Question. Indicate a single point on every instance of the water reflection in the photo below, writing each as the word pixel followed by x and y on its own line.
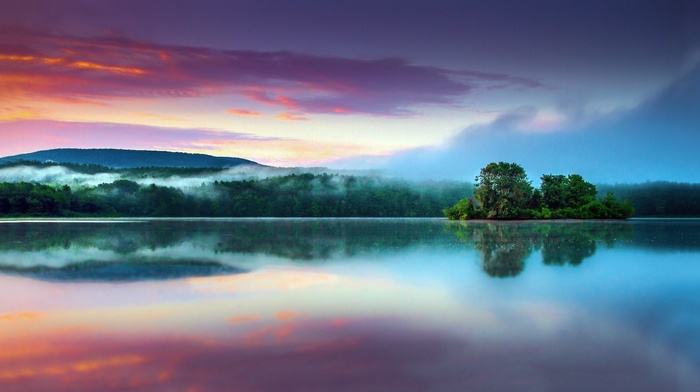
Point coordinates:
pixel 167 249
pixel 505 246
pixel 331 355
pixel 349 305
pixel 129 251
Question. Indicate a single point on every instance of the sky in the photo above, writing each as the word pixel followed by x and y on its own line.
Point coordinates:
pixel 419 89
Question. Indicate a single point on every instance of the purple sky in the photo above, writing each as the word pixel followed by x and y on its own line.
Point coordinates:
pixel 418 88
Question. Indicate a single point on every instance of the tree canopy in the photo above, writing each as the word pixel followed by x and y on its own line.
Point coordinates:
pixel 502 189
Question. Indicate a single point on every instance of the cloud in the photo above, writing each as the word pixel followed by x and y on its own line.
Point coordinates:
pixel 243 112
pixel 290 117
pixel 657 140
pixel 96 69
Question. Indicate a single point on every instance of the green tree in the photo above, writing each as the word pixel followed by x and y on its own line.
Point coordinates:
pixel 553 188
pixel 578 191
pixel 463 210
pixel 503 190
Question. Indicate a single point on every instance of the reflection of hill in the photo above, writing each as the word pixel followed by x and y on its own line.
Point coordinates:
pixel 506 245
pixel 123 271
pixel 169 249
pixel 296 239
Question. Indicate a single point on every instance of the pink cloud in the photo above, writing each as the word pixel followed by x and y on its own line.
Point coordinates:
pixel 102 68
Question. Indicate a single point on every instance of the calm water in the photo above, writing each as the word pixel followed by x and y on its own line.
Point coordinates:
pixel 349 305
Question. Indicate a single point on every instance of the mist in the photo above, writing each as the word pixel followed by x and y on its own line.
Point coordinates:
pixel 54 175
pixel 657 140
pixel 61 175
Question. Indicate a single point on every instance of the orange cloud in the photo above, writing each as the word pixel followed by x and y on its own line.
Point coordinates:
pixel 244 112
pixel 286 315
pixel 20 113
pixel 64 62
pixel 11 57
pixel 110 68
pixel 20 316
pixel 290 117
pixel 243 319
pixel 75 367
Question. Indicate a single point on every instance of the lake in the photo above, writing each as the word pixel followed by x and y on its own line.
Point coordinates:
pixel 349 305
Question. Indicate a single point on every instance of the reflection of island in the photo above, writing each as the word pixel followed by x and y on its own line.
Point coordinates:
pixel 505 246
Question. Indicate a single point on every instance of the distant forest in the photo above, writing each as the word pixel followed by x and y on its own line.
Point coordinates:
pixel 302 195
pixel 292 195
pixel 659 199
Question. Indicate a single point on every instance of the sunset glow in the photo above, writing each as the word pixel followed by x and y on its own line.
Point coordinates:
pixel 427 88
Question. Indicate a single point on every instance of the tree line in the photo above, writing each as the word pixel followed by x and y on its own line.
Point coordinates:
pixel 660 199
pixel 503 191
pixel 295 195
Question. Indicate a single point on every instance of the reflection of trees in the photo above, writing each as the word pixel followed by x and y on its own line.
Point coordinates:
pixel 562 250
pixel 503 263
pixel 505 246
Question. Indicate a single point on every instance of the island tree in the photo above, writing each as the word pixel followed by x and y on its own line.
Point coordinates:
pixel 503 191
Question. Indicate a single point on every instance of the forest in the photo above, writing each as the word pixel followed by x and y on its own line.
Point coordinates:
pixel 659 199
pixel 326 195
pixel 295 195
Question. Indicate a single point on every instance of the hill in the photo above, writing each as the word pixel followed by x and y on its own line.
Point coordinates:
pixel 126 159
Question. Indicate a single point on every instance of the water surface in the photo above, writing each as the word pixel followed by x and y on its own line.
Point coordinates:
pixel 349 305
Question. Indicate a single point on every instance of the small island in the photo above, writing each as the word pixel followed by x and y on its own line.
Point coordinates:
pixel 503 192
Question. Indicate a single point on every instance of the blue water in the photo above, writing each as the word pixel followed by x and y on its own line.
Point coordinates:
pixel 349 305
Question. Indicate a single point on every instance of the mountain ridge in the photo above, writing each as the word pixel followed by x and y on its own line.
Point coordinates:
pixel 128 159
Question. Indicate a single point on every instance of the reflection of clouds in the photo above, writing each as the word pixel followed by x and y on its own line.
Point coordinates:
pixel 70 368
pixel 286 315
pixel 21 316
pixel 380 354
pixel 272 280
pixel 55 258
pixel 243 319
pixel 76 254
